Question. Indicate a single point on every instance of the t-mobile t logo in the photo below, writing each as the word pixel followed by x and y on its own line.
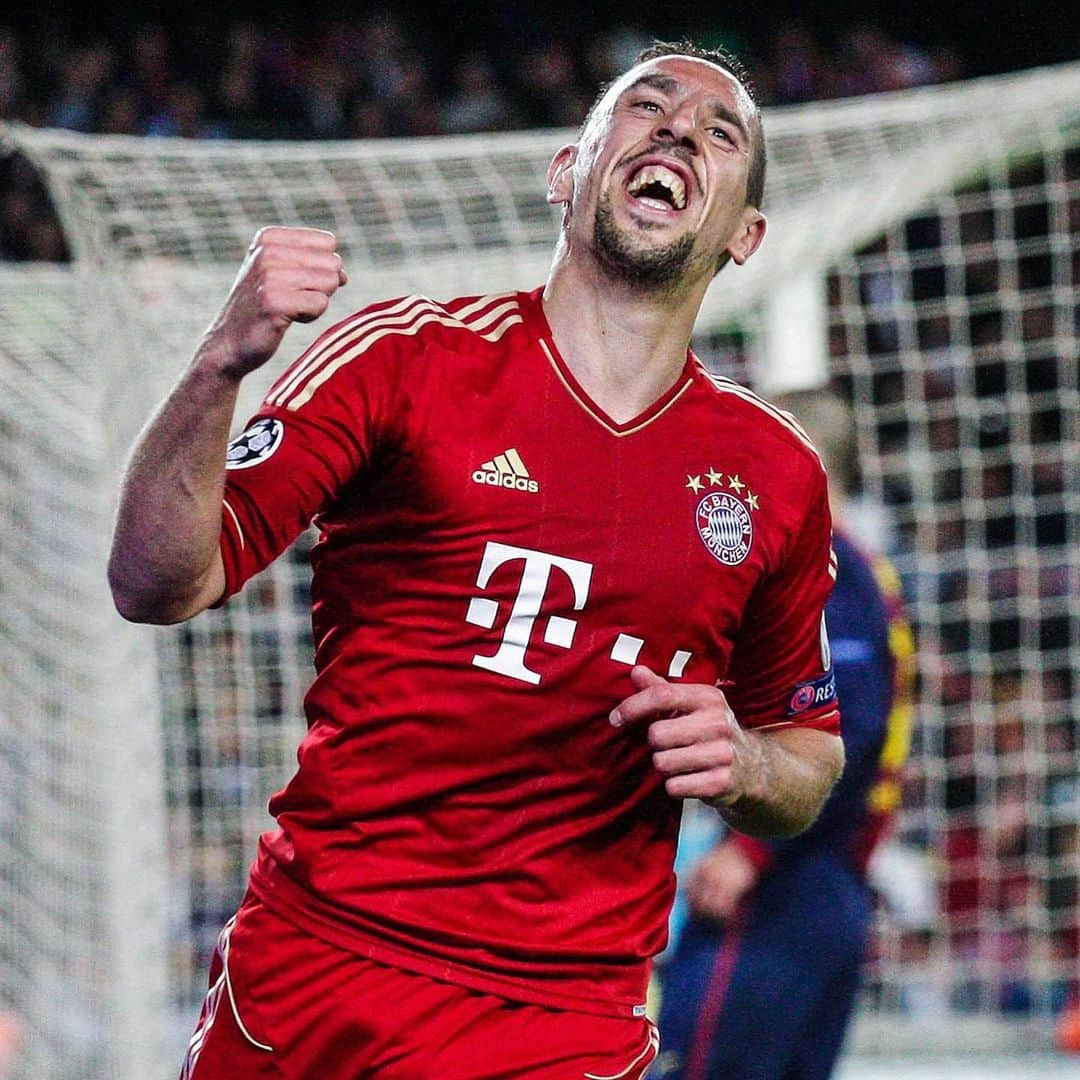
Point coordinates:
pixel 509 658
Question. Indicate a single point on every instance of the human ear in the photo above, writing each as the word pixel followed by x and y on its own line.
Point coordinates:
pixel 748 237
pixel 560 175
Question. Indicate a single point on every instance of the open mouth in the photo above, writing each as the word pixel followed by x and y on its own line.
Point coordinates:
pixel 658 187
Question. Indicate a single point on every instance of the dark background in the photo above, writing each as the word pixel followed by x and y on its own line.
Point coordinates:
pixel 992 38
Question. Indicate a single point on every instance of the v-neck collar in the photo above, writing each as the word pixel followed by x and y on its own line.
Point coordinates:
pixel 539 324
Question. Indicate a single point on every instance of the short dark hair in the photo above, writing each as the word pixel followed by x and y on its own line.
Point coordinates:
pixel 729 62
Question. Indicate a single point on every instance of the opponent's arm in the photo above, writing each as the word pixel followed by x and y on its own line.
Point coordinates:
pixel 772 782
pixel 165 564
pixel 721 880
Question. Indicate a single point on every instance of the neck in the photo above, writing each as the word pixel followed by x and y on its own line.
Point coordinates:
pixel 626 345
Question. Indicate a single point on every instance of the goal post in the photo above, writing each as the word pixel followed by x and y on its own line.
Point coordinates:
pixel 922 254
pixel 84 890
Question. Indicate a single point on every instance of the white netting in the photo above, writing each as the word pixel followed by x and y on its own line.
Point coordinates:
pixel 946 222
pixel 469 214
pixel 83 883
pixel 956 335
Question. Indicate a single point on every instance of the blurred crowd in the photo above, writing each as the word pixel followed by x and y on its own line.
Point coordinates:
pixel 370 77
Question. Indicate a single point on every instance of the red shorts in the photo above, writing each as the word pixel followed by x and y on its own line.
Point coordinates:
pixel 284 1005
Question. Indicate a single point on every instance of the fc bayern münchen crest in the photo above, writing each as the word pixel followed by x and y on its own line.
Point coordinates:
pixel 256 444
pixel 724 525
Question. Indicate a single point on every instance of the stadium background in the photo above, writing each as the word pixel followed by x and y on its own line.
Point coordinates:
pixel 991 798
pixel 275 71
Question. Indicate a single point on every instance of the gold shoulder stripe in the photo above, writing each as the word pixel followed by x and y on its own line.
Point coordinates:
pixel 479 304
pixel 364 333
pixel 351 347
pixel 510 320
pixel 324 346
pixel 727 386
pixel 377 332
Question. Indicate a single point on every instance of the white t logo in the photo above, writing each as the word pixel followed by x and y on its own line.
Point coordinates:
pixel 509 658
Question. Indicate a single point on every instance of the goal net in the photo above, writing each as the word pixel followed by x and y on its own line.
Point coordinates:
pixel 922 253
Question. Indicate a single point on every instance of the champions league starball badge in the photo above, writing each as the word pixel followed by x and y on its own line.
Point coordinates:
pixel 724 525
pixel 256 444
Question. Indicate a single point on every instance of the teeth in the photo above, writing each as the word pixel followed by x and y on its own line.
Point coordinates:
pixel 660 174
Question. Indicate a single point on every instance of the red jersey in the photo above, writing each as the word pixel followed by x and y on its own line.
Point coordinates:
pixel 495 553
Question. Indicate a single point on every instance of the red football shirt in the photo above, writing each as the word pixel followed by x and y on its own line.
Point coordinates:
pixel 495 553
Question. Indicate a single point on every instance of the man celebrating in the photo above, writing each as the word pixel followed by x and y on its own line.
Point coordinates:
pixel 565 578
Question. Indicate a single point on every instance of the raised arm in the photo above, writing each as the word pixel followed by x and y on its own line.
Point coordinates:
pixel 764 783
pixel 165 564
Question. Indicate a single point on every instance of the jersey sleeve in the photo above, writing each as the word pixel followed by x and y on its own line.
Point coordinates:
pixel 320 424
pixel 883 798
pixel 781 669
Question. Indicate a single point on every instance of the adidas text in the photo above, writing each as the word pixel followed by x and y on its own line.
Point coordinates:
pixel 505 480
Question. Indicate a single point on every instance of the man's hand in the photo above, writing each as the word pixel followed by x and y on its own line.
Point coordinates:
pixel 719 882
pixel 288 275
pixel 764 783
pixel 696 741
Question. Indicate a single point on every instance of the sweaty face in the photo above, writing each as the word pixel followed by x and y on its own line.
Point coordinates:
pixel 664 161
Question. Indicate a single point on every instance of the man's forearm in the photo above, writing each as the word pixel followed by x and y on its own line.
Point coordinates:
pixel 164 563
pixel 794 771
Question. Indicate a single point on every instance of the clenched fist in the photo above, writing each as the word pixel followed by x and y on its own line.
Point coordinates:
pixel 288 275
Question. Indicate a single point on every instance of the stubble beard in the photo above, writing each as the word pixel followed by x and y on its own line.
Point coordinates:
pixel 655 267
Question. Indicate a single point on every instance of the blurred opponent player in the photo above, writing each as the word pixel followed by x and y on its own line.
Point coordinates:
pixel 763 975
pixel 546 536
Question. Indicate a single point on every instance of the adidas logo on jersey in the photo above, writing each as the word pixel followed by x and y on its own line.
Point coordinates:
pixel 506 470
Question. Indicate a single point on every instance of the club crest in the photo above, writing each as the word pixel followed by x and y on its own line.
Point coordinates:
pixel 725 527
pixel 256 444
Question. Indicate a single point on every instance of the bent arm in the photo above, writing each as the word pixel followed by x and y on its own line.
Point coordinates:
pixel 787 779
pixel 165 564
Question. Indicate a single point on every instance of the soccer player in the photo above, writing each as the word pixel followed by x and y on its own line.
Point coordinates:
pixel 765 970
pixel 564 580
